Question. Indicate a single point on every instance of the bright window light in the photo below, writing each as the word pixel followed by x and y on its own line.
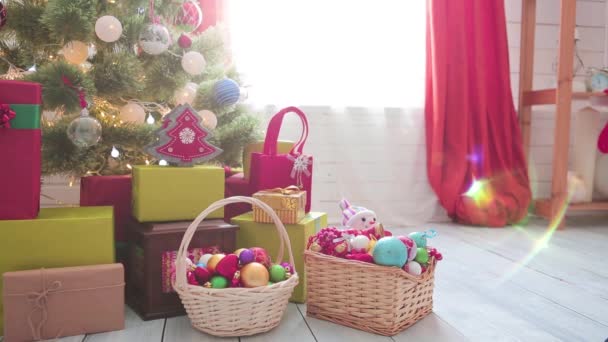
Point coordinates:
pixel 330 52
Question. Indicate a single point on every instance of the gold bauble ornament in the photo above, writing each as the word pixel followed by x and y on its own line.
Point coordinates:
pixel 254 274
pixel 207 285
pixel 238 251
pixel 213 261
pixel 315 247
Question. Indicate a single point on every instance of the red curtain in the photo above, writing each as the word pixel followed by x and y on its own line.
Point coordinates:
pixel 475 159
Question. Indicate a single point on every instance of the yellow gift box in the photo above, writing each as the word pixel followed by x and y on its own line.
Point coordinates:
pixel 59 237
pixel 283 147
pixel 168 193
pixel 255 234
pixel 289 203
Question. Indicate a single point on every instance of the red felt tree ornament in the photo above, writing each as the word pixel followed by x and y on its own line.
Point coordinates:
pixel 182 139
pixel 602 141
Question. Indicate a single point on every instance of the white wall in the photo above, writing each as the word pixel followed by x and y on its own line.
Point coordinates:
pixel 590 19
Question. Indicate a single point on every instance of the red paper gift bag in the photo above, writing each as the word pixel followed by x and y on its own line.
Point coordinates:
pixel 237 185
pixel 272 170
pixel 20 140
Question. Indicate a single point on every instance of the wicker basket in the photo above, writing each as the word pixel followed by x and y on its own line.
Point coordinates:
pixel 378 299
pixel 235 311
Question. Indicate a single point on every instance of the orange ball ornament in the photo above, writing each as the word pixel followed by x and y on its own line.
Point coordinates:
pixel 213 261
pixel 254 274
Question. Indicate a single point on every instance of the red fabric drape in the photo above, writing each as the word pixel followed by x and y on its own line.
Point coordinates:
pixel 471 125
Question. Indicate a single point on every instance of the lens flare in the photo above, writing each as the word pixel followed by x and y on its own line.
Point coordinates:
pixel 540 243
pixel 480 191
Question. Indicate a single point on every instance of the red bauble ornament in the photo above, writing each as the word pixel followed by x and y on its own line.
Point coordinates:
pixel 191 278
pixel 261 256
pixel 202 275
pixel 228 266
pixel 184 41
pixel 182 139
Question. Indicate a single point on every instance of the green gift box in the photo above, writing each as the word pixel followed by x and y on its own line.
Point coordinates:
pixel 168 193
pixel 255 234
pixel 59 237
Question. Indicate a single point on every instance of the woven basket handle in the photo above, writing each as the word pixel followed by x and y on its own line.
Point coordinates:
pixel 183 248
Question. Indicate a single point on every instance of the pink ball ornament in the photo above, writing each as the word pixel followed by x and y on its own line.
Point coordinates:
pixel 202 275
pixel 260 256
pixel 411 246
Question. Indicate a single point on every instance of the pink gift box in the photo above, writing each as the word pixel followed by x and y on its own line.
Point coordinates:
pixel 51 303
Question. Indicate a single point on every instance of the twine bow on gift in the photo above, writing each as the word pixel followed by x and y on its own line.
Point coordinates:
pixel 39 300
pixel 6 115
pixel 300 167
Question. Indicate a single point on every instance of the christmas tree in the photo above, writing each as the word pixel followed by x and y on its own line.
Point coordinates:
pixel 134 60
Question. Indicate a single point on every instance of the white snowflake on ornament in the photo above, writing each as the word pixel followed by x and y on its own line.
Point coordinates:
pixel 186 136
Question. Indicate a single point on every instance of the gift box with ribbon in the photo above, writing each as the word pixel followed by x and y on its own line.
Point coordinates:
pixel 20 141
pixel 289 203
pixel 58 237
pixel 47 304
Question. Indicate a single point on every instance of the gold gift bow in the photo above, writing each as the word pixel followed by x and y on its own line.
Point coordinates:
pixel 290 190
pixel 40 303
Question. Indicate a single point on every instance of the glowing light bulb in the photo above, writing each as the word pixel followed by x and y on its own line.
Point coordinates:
pixel 33 68
pixel 163 162
pixel 147 162
pixel 129 166
pixel 115 153
pixel 150 120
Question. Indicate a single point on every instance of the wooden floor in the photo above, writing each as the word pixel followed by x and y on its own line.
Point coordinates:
pixel 491 286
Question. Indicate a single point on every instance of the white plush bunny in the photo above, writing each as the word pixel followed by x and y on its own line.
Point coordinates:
pixel 357 217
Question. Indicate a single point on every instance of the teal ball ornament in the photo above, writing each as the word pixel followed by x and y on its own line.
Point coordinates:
pixel 419 238
pixel 390 251
pixel 226 92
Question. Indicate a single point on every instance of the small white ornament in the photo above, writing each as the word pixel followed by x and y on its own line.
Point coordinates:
pixel 205 258
pixel 413 268
pixel 163 162
pixel 132 112
pixel 108 28
pixel 193 63
pixel 186 136
pixel 209 119
pixel 360 242
pixel 75 52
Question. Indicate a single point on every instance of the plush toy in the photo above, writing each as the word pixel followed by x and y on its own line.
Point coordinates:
pixel 357 217
pixel 361 221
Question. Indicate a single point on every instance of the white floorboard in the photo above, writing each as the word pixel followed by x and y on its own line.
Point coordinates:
pixel 431 329
pixel 178 329
pixel 293 328
pixel 135 330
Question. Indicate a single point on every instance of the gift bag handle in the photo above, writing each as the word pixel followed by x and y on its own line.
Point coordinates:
pixel 180 280
pixel 274 127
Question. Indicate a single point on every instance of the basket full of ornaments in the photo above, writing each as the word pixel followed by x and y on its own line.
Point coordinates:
pixel 236 294
pixel 362 276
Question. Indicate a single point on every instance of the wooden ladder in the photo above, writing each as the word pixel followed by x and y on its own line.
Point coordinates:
pixel 552 208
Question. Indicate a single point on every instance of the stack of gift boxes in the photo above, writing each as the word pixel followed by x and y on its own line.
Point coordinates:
pixel 65 257
pixel 56 263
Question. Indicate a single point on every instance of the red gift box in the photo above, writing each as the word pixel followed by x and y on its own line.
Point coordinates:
pixel 20 141
pixel 237 185
pixel 112 191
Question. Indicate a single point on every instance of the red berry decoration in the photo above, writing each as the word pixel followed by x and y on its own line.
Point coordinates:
pixel 438 256
pixel 261 256
pixel 184 41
